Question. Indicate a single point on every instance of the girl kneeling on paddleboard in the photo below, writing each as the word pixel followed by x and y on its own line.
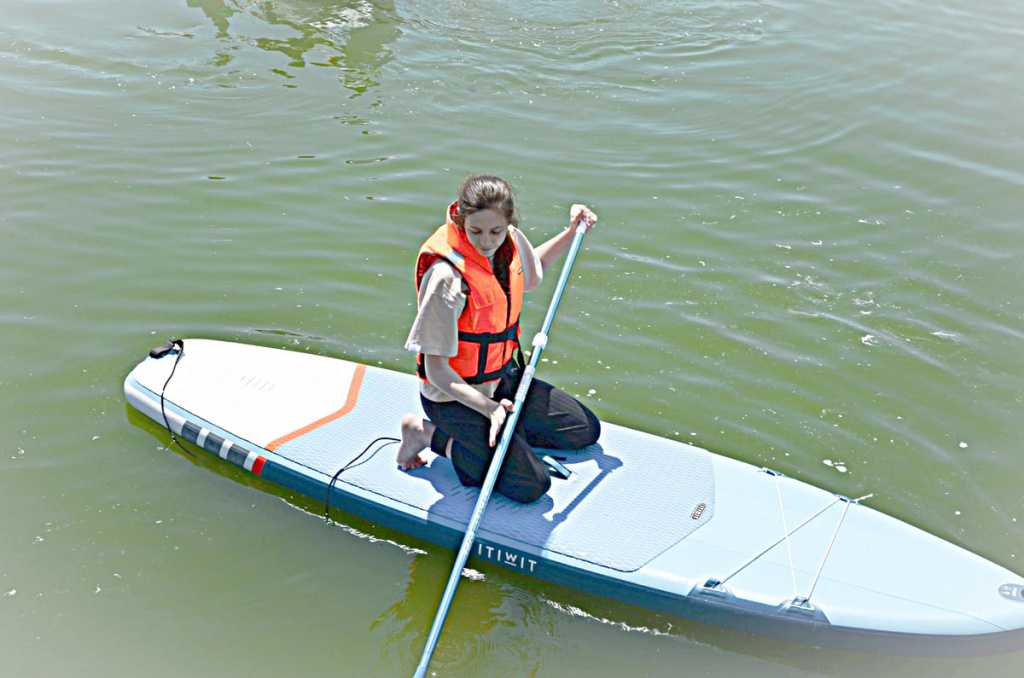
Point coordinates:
pixel 470 278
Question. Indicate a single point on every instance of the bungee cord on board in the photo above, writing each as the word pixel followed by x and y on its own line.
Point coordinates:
pixel 789 549
pixel 803 602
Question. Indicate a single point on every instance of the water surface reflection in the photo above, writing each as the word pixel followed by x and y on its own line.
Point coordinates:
pixel 353 36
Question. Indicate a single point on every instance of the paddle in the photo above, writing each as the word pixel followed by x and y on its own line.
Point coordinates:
pixel 539 343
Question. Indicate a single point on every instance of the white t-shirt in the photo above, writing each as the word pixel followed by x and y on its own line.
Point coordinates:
pixel 441 300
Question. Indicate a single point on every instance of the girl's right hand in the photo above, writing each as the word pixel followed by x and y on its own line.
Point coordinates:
pixel 498 415
pixel 581 214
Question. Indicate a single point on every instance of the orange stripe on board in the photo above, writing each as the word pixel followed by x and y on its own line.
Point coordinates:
pixel 350 402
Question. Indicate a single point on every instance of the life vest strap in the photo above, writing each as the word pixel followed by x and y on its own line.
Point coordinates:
pixel 484 340
pixel 491 337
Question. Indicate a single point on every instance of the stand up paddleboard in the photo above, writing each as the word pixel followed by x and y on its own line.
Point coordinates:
pixel 640 519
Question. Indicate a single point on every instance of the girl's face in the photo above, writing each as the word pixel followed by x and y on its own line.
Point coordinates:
pixel 486 231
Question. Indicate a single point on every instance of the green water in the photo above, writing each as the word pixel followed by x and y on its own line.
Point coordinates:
pixel 808 258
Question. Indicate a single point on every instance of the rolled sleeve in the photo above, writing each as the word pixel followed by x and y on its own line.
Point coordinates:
pixel 533 273
pixel 441 300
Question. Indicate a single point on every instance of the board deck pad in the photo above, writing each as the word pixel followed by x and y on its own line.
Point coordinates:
pixel 654 493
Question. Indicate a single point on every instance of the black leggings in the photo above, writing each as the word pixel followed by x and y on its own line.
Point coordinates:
pixel 550 418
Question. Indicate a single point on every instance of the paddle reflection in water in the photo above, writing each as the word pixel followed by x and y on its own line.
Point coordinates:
pixel 494 625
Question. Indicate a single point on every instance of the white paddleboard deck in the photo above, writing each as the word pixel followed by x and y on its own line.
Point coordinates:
pixel 642 519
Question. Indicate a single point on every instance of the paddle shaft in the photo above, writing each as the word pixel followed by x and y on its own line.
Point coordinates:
pixel 539 343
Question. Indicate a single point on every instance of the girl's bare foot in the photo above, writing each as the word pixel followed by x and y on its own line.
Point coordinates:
pixel 416 434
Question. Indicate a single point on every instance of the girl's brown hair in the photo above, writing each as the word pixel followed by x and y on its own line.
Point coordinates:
pixel 483 192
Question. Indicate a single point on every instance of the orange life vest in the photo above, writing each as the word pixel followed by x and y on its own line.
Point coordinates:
pixel 489 325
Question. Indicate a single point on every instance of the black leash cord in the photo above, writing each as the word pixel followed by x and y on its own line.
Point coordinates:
pixel 160 352
pixel 330 487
